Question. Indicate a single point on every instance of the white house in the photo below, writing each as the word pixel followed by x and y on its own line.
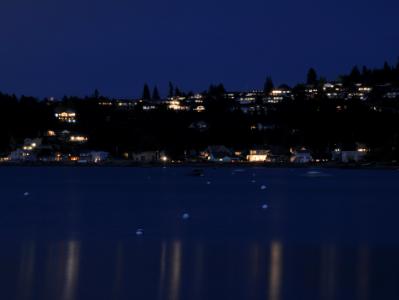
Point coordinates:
pixel 301 156
pixel 346 156
pixel 258 155
pixel 93 157
pixel 22 155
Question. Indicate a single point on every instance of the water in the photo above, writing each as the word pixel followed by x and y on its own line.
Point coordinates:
pixel 326 234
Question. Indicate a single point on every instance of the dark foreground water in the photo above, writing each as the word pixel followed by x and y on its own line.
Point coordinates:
pixel 329 235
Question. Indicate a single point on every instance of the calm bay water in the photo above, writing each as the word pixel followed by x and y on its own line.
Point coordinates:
pixel 327 235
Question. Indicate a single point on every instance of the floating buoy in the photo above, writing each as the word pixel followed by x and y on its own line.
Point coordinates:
pixel 263 187
pixel 208 182
pixel 26 194
pixel 265 206
pixel 185 216
pixel 139 231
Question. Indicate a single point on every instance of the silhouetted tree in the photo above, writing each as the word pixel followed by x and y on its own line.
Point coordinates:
pixel 311 77
pixel 96 94
pixel 155 94
pixel 354 76
pixel 146 92
pixel 268 86
pixel 387 68
pixel 171 90
pixel 177 92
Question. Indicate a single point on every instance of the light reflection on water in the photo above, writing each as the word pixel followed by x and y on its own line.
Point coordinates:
pixel 320 238
pixel 328 272
pixel 363 270
pixel 276 270
pixel 71 270
pixel 175 270
pixel 26 270
pixel 188 270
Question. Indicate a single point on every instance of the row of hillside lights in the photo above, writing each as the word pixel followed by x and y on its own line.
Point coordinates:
pixel 69 117
pixel 363 150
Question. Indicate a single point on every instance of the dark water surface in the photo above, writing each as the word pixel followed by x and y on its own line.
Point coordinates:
pixel 329 235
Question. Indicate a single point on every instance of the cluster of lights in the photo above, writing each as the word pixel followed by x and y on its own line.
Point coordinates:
pixel 256 156
pixel 29 147
pixel 68 117
pixel 277 95
pixel 105 103
pixel 365 89
pixel 312 91
pixel 362 150
pixel 78 138
pixel 200 108
pixel 176 105
pixel 149 107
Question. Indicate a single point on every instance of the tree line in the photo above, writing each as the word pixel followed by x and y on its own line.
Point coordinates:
pixel 318 125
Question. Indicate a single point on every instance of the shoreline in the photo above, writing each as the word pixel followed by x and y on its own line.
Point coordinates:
pixel 199 165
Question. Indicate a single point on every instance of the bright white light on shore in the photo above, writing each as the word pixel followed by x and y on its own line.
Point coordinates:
pixel 164 158
pixel 78 138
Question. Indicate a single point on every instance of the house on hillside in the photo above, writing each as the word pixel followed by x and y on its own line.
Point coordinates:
pixel 65 115
pixel 218 153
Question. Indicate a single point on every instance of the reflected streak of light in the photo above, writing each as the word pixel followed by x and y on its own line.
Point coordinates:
pixel 53 275
pixel 26 275
pixel 255 260
pixel 198 271
pixel 254 256
pixel 118 271
pixel 328 272
pixel 162 271
pixel 176 270
pixel 71 270
pixel 363 270
pixel 276 270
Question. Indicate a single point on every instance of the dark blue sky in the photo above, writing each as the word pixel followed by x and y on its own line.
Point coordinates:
pixel 57 47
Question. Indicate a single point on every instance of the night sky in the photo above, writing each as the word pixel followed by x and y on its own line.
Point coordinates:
pixel 58 47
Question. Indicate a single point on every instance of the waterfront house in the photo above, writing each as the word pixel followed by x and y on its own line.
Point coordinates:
pixel 218 153
pixel 258 155
pixel 93 157
pixel 301 156
pixel 346 156
pixel 149 156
